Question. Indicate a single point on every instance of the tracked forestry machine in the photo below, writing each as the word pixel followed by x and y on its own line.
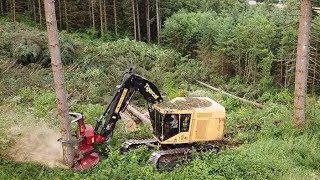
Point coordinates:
pixel 180 127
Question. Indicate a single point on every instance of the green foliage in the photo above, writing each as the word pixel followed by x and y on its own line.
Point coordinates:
pixel 256 43
pixel 91 112
pixel 44 102
pixel 96 65
pixel 67 48
pixel 104 65
pixel 173 6
pixel 171 90
pixel 182 30
pixel 29 45
pixel 229 6
pixel 27 95
pixel 283 97
pixel 27 50
pixel 92 33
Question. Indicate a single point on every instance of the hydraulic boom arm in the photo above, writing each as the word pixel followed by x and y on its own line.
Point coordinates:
pixel 130 83
pixel 87 136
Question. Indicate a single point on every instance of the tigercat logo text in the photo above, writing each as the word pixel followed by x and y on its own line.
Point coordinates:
pixel 149 90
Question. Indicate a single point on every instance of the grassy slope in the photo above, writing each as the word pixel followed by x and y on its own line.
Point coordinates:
pixel 270 148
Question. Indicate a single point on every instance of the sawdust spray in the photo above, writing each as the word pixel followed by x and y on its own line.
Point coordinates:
pixel 37 144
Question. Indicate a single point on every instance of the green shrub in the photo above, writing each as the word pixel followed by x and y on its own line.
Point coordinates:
pixel 27 95
pixel 183 30
pixel 44 102
pixel 67 48
pixel 91 112
pixel 29 45
pixel 304 151
pixel 105 64
pixel 171 89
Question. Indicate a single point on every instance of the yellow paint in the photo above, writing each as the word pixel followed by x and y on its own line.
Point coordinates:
pixel 123 95
pixel 206 123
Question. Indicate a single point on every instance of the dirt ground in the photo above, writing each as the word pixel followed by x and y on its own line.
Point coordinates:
pixel 29 139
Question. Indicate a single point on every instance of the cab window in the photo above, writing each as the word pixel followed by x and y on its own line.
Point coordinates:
pixel 185 122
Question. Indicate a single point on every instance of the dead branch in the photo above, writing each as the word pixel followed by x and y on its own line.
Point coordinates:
pixel 9 67
pixel 140 116
pixel 230 95
pixel 129 123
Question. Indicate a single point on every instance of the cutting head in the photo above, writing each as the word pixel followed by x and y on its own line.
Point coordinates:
pixel 84 154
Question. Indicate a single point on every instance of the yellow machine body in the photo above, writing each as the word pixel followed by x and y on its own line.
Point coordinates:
pixel 200 119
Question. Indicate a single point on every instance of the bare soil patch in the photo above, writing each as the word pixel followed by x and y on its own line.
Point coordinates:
pixel 31 139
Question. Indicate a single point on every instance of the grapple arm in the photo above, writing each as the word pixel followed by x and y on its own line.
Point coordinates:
pixel 87 136
pixel 130 83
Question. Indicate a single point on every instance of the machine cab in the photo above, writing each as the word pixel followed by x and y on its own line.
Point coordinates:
pixel 170 123
pixel 185 120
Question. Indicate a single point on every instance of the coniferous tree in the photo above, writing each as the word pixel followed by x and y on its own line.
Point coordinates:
pixel 101 17
pixel 1 7
pixel 148 20
pixel 115 17
pixel 158 20
pixel 60 14
pixel 39 11
pixel 105 15
pixel 138 21
pixel 301 72
pixel 134 20
pixel 66 14
pixel 61 95
pixel 14 10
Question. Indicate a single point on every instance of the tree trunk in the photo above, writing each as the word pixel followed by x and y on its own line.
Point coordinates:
pixel 314 83
pixel 115 17
pixel 2 8
pixel 10 5
pixel 14 10
pixel 146 121
pixel 138 21
pixel 231 95
pixel 60 14
pixel 52 32
pixel 92 11
pixel 34 11
pixel 148 20
pixel 66 14
pixel 28 5
pixel 101 17
pixel 158 20
pixel 301 72
pixel 105 15
pixel 129 123
pixel 134 20
pixel 39 11
pixel 7 6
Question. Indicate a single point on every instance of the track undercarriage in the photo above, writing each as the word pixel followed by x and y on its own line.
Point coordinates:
pixel 168 155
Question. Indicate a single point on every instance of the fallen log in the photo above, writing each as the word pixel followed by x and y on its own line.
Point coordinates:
pixel 129 123
pixel 231 95
pixel 140 116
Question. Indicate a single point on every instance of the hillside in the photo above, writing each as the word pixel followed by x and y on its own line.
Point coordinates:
pixel 248 51
pixel 261 144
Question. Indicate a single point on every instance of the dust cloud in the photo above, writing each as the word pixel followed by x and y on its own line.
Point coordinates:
pixel 36 144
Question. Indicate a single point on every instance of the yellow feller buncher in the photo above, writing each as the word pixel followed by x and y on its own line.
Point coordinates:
pixel 180 126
